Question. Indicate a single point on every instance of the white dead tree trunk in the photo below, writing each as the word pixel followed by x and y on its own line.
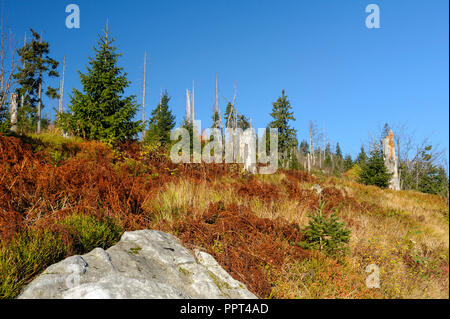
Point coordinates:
pixel 188 107
pixel 391 160
pixel 217 105
pixel 247 150
pixel 320 157
pixel 143 95
pixel 22 97
pixel 232 124
pixel 311 142
pixel 308 162
pixel 193 101
pixel 61 88
pixel 322 150
pixel 14 111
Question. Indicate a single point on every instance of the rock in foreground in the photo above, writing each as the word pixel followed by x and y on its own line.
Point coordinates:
pixel 143 264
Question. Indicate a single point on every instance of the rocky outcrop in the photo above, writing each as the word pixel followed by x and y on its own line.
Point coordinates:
pixel 391 160
pixel 143 264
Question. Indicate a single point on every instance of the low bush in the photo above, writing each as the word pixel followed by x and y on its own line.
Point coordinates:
pixel 326 233
pixel 88 233
pixel 26 255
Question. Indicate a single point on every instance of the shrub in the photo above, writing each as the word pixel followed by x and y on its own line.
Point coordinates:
pixel 354 172
pixel 374 172
pixel 326 233
pixel 88 233
pixel 27 254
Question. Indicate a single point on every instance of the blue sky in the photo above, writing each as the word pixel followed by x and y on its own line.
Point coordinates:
pixel 336 72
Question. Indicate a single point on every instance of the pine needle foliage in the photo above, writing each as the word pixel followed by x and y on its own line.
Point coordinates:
pixel 326 233
pixel 101 111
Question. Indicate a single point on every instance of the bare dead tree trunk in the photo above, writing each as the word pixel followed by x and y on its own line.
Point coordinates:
pixel 311 143
pixel 188 106
pixel 14 112
pixel 143 95
pixel 22 97
pixel 217 104
pixel 193 101
pixel 324 137
pixel 320 158
pixel 309 161
pixel 61 87
pixel 397 140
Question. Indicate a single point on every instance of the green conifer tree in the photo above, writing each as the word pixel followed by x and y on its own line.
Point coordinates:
pixel 362 157
pixel 304 148
pixel 338 152
pixel 162 121
pixel 242 122
pixel 282 115
pixel 4 118
pixel 230 116
pixel 348 162
pixel 385 131
pixel 101 112
pixel 373 171
pixel 35 67
pixel 215 120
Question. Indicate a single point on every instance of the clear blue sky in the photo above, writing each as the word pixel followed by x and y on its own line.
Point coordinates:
pixel 335 71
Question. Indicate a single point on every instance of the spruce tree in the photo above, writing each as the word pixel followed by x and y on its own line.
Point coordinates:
pixel 216 120
pixel 162 121
pixel 328 162
pixel 348 162
pixel 35 67
pixel 233 118
pixel 101 112
pixel 4 118
pixel 385 131
pixel 362 157
pixel 230 115
pixel 304 148
pixel 374 172
pixel 242 122
pixel 431 178
pixel 282 115
pixel 193 133
pixel 338 152
pixel 328 150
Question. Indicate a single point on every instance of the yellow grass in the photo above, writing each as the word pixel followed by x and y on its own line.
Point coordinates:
pixel 409 242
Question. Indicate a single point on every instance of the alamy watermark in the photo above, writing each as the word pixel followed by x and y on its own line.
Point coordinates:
pixel 373 19
pixel 236 146
pixel 73 19
pixel 373 279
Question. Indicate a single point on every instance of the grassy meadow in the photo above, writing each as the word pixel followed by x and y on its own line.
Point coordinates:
pixel 64 196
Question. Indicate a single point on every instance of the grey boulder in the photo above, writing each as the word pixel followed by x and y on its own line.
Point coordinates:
pixel 143 264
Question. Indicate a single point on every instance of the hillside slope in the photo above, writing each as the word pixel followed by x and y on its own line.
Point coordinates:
pixel 60 197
